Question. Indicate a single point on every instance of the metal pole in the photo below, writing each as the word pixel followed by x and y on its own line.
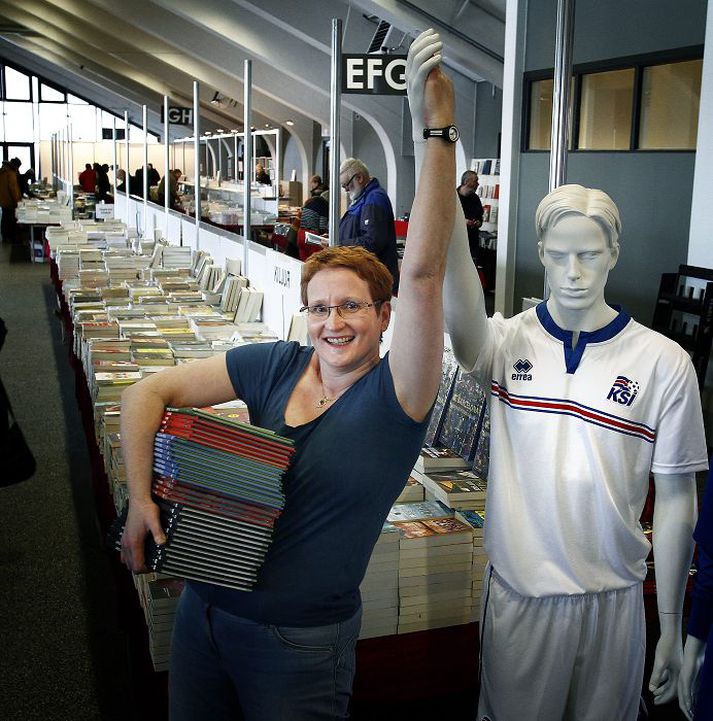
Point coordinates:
pixel 334 130
pixel 71 166
pixel 247 158
pixel 114 158
pixel 235 155
pixel 564 40
pixel 278 164
pixel 197 158
pixel 128 171
pixel 166 179
pixel 145 117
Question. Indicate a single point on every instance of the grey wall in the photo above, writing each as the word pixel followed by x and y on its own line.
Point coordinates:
pixel 488 119
pixel 651 189
pixel 291 160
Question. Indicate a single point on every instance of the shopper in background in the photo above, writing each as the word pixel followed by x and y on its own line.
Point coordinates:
pixel 316 186
pixel 173 178
pixel 369 220
pixel 136 182
pixel 286 650
pixel 695 684
pixel 9 198
pixel 26 180
pixel 314 219
pixel 121 180
pixel 472 209
pixel 585 404
pixel 261 176
pixel 153 176
pixel 103 186
pixel 88 179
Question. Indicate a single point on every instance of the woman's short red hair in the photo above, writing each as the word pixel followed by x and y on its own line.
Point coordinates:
pixel 355 258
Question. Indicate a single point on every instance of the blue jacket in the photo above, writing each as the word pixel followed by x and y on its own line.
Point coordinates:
pixel 369 222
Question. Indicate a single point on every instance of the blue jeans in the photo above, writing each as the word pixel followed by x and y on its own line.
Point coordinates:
pixel 227 668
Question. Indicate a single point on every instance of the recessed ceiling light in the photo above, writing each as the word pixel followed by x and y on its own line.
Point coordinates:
pixel 289 122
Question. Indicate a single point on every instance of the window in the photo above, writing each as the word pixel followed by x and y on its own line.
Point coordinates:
pixel 84 122
pixel 541 114
pixel 74 100
pixel 17 85
pixel 19 126
pixel 669 108
pixel 605 110
pixel 638 103
pixel 50 95
pixel 53 116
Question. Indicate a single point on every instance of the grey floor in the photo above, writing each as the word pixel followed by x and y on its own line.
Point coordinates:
pixel 62 653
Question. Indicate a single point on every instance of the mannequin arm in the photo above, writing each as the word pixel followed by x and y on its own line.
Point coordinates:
pixel 674 519
pixel 463 302
pixel 693 654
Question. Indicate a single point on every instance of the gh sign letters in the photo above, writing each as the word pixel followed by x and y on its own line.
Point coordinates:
pixel 374 74
pixel 178 115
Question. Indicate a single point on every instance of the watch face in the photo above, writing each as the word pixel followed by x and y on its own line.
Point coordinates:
pixel 453 134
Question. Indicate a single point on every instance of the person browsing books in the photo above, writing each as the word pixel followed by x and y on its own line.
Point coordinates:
pixel 695 684
pixel 286 649
pixel 585 403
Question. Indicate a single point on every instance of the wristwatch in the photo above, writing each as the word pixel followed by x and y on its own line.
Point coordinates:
pixel 450 133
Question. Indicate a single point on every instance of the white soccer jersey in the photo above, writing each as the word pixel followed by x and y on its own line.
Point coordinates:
pixel 574 434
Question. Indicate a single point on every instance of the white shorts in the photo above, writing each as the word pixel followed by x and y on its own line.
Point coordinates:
pixel 561 658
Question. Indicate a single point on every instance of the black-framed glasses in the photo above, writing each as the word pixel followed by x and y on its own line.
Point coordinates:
pixel 319 311
pixel 345 186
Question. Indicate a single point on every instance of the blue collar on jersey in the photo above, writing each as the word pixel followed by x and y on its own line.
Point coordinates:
pixel 572 356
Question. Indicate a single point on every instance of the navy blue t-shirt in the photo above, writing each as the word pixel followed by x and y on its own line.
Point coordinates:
pixel 349 466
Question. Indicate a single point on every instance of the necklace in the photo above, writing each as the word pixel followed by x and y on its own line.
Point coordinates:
pixel 324 399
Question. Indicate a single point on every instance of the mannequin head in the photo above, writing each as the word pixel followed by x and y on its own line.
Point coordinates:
pixel 578 230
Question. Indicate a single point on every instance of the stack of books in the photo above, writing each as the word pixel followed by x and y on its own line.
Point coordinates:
pixel 380 587
pixel 461 489
pixel 159 596
pixel 435 566
pixel 219 485
pixel 476 520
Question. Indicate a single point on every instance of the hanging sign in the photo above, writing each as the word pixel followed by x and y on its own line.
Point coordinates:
pixel 374 74
pixel 178 115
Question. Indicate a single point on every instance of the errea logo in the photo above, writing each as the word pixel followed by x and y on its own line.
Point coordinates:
pixel 623 391
pixel 522 368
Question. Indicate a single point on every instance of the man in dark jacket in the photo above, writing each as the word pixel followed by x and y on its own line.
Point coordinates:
pixel 369 220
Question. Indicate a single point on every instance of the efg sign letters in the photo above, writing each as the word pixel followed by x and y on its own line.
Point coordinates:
pixel 374 74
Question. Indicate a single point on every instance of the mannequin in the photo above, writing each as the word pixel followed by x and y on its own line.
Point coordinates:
pixel 565 493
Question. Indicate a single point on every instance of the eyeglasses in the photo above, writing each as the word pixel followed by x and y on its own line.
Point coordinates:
pixel 346 309
pixel 345 186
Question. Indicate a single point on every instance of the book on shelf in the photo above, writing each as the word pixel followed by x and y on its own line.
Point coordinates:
pixel 456 488
pixel 464 416
pixel 449 369
pixel 417 512
pixel 432 458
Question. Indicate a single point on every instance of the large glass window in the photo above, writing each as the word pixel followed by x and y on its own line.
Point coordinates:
pixel 49 95
pixel 84 122
pixel 662 97
pixel 669 106
pixel 53 116
pixel 18 122
pixel 605 110
pixel 17 85
pixel 541 114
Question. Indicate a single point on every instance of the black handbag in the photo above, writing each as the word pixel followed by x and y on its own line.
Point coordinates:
pixel 16 460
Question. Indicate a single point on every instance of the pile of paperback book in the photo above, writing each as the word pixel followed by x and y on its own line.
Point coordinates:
pixel 218 483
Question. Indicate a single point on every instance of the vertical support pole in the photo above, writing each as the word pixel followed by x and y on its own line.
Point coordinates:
pixel 247 158
pixel 334 131
pixel 71 166
pixel 128 171
pixel 278 163
pixel 197 158
pixel 115 160
pixel 166 179
pixel 235 155
pixel 564 41
pixel 145 118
